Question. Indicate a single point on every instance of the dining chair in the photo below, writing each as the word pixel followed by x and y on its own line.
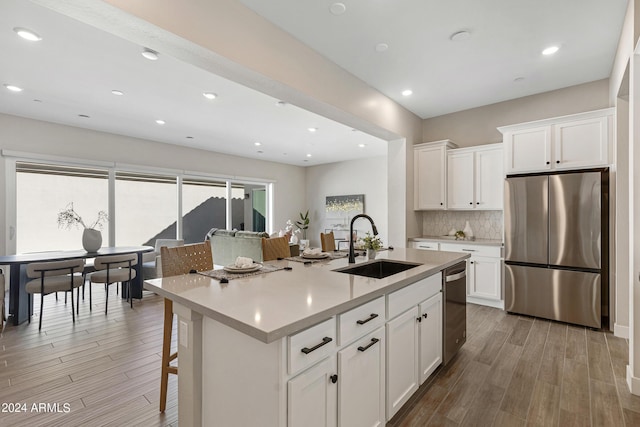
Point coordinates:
pixel 111 269
pixel 51 277
pixel 328 242
pixel 2 291
pixel 274 248
pixel 175 261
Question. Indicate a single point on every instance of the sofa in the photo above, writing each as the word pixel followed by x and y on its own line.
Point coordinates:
pixel 227 245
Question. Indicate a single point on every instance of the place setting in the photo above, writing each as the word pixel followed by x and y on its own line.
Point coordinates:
pixel 242 267
pixel 316 255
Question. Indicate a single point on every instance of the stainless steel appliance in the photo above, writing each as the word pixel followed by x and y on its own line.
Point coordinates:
pixel 556 246
pixel 454 288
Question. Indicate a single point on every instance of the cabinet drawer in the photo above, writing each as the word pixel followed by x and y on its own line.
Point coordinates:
pixel 403 299
pixel 474 250
pixel 360 320
pixel 427 246
pixel 311 345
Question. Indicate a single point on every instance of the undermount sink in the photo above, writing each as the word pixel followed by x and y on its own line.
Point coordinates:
pixel 378 269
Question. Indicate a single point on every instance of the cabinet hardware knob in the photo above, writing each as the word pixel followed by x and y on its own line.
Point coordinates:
pixel 419 319
pixel 441 203
pixel 548 163
pixel 325 340
pixel 365 348
pixel 425 315
pixel 368 319
pixel 558 161
pixel 334 378
pixel 470 203
pixel 470 262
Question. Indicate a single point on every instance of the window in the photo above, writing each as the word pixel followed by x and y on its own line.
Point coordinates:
pixel 204 206
pixel 146 208
pixel 249 207
pixel 44 190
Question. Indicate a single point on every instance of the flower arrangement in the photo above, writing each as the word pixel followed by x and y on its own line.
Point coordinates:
pixel 371 242
pixel 69 217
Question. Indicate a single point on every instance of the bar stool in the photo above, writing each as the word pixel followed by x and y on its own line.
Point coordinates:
pixel 274 248
pixel 51 277
pixel 328 242
pixel 175 261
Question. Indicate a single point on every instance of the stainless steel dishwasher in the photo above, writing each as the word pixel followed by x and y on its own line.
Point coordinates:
pixel 454 288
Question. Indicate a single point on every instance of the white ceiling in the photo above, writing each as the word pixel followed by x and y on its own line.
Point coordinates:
pixel 73 70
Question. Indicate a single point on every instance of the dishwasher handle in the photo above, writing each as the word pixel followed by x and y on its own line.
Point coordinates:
pixel 454 277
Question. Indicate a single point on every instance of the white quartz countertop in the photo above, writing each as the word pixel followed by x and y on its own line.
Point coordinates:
pixel 270 306
pixel 451 239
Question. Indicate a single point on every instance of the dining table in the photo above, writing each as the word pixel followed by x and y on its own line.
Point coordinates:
pixel 18 303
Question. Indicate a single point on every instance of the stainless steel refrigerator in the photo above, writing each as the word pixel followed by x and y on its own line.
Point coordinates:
pixel 556 246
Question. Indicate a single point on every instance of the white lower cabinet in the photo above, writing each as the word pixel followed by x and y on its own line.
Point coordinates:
pixel 361 382
pixel 485 278
pixel 313 396
pixel 430 336
pixel 402 360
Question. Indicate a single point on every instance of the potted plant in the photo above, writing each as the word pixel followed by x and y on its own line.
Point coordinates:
pixel 303 225
pixel 91 236
pixel 372 244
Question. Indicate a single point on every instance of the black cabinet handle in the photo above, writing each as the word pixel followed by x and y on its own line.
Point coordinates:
pixel 441 203
pixel 373 341
pixel 470 203
pixel 325 340
pixel 558 161
pixel 369 319
pixel 470 262
pixel 425 315
pixel 334 378
pixel 548 163
pixel 419 319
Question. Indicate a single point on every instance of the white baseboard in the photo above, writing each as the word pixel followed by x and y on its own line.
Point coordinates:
pixel 487 302
pixel 621 331
pixel 633 382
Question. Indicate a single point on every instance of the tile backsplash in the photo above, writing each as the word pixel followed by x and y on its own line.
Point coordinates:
pixel 485 224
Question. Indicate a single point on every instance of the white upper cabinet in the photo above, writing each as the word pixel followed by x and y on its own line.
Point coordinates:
pixel 568 142
pixel 429 173
pixel 475 178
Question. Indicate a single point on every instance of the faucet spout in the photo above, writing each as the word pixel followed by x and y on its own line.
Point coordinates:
pixel 352 256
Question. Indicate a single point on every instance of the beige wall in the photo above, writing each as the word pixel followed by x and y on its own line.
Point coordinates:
pixel 49 139
pixel 477 126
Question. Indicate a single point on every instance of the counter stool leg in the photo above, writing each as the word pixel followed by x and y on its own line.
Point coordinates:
pixel 167 357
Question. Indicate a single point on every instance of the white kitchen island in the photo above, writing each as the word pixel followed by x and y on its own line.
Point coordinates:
pixel 279 348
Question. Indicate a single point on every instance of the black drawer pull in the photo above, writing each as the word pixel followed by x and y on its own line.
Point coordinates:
pixel 325 340
pixel 425 315
pixel 419 319
pixel 334 378
pixel 373 341
pixel 369 319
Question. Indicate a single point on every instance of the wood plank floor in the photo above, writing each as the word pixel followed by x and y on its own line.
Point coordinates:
pixel 517 371
pixel 513 371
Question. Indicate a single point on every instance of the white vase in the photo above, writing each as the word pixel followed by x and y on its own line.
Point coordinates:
pixel 91 240
pixel 468 232
pixel 371 253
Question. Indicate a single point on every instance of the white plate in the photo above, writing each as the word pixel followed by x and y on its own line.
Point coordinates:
pixel 233 269
pixel 316 256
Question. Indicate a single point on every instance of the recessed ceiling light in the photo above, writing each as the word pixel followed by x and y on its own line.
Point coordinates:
pixel 151 55
pixel 13 88
pixel 160 122
pixel 312 130
pixel 407 92
pixel 117 92
pixel 338 8
pixel 381 47
pixel 257 144
pixel 460 36
pixel 209 95
pixel 361 145
pixel 550 50
pixel 308 155
pixel 27 34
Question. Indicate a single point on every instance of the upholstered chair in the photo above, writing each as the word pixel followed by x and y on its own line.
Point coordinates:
pixel 114 269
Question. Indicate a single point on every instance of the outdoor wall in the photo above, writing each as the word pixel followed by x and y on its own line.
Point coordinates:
pixel 49 139
pixel 477 126
pixel 367 176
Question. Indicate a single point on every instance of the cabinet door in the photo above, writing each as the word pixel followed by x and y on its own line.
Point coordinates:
pixel 489 179
pixel 361 381
pixel 402 359
pixel 429 178
pixel 485 278
pixel 460 180
pixel 312 396
pixel 528 150
pixel 430 336
pixel 581 143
